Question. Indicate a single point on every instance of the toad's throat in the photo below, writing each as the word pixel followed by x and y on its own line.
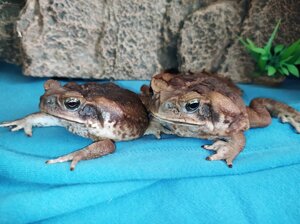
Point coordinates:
pixel 183 123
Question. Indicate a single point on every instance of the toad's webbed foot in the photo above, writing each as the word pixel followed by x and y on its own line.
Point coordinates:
pixel 291 118
pixel 33 120
pixel 226 150
pixel 154 128
pixel 95 150
pixel 18 125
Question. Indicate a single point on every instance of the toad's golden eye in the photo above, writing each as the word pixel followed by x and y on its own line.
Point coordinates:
pixel 72 103
pixel 192 105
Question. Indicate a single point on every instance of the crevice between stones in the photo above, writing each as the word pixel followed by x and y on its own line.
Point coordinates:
pixel 244 14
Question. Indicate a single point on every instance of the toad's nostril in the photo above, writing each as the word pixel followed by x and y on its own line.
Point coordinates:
pixel 51 100
pixel 168 105
pixel 175 110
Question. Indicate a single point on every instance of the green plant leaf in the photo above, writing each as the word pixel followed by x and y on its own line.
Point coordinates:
pixel 246 45
pixel 281 59
pixel 258 50
pixel 293 70
pixel 280 71
pixel 283 71
pixel 243 42
pixel 250 42
pixel 271 70
pixel 269 43
pixel 278 48
pixel 252 47
pixel 264 57
pixel 285 60
pixel 261 64
pixel 289 51
pixel 255 56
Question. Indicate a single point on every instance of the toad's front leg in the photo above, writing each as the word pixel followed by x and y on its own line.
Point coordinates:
pixel 94 150
pixel 227 150
pixel 33 120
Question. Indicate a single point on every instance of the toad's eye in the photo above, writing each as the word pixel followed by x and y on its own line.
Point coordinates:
pixel 72 103
pixel 192 106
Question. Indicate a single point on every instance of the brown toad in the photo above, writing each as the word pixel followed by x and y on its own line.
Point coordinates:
pixel 102 112
pixel 209 106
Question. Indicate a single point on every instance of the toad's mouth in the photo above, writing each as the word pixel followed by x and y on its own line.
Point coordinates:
pixel 184 123
pixel 62 117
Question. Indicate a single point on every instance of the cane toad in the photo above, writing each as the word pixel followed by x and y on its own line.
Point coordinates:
pixel 102 112
pixel 209 106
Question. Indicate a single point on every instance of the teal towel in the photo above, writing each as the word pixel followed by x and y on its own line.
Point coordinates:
pixel 146 180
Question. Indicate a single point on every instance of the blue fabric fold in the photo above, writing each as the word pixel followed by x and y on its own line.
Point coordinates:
pixel 146 180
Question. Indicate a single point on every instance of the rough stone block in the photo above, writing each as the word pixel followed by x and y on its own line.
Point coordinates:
pixel 135 39
pixel 206 34
pixel 98 39
pixel 9 42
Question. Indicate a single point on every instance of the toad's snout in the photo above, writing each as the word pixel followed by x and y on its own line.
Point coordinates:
pixel 48 102
pixel 170 107
pixel 51 100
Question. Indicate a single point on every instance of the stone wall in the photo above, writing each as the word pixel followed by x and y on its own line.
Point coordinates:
pixel 9 41
pixel 135 39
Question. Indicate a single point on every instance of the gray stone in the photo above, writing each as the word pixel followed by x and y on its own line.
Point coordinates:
pixel 135 39
pixel 176 13
pixel 206 34
pixel 130 43
pixel 92 39
pixel 59 38
pixel 9 42
pixel 102 39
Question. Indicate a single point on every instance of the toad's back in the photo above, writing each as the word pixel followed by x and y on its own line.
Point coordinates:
pixel 128 101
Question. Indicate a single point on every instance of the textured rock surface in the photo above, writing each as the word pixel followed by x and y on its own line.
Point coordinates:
pixel 113 39
pixel 136 38
pixel 176 12
pixel 130 43
pixel 206 35
pixel 59 38
pixel 9 42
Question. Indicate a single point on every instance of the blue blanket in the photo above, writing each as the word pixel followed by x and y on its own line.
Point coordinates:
pixel 145 180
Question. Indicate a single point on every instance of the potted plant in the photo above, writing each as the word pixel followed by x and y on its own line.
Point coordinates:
pixel 274 61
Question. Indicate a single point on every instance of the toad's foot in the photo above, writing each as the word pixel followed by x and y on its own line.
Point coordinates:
pixel 33 120
pixel 18 125
pixel 291 118
pixel 227 150
pixel 95 150
pixel 156 133
pixel 154 128
pixel 224 151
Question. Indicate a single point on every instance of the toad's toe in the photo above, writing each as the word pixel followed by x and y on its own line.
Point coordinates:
pixel 292 119
pixel 224 151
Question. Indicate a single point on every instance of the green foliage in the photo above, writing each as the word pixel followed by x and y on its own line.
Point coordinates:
pixel 275 60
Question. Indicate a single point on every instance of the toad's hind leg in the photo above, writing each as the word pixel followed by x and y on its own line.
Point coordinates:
pixel 94 150
pixel 261 110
